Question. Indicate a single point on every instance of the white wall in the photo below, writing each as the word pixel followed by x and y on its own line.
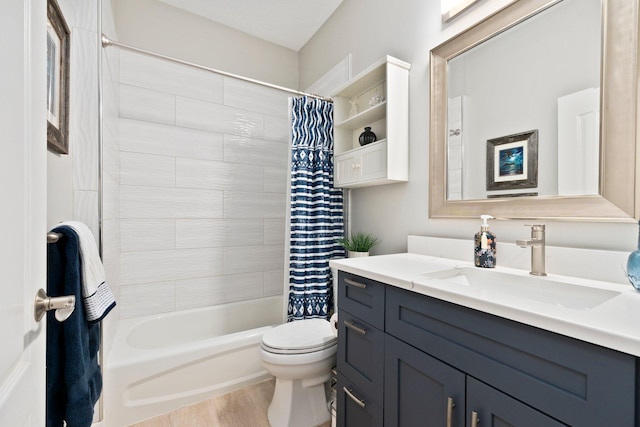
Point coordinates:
pixel 203 172
pixel 409 29
pixel 158 27
pixel 72 180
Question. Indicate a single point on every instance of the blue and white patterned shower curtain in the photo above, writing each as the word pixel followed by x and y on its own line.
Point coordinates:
pixel 316 210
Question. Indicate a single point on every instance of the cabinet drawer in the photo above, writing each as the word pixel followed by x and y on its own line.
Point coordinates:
pixel 575 382
pixel 361 354
pixel 362 297
pixel 354 407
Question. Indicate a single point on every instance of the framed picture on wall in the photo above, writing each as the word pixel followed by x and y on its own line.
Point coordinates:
pixel 58 47
pixel 512 161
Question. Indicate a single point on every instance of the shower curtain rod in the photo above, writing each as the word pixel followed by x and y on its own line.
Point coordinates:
pixel 106 42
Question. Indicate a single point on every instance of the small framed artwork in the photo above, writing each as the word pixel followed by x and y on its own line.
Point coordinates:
pixel 512 161
pixel 58 47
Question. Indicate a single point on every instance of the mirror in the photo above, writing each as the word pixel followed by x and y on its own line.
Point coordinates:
pixel 494 127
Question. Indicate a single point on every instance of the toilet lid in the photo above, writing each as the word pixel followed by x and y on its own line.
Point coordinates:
pixel 302 336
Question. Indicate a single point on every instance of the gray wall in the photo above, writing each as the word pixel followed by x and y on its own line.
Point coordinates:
pixel 409 29
pixel 158 27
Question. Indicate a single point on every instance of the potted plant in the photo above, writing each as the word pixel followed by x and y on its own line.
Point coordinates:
pixel 358 244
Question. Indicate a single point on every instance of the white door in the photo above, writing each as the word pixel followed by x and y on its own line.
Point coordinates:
pixel 22 210
pixel 579 143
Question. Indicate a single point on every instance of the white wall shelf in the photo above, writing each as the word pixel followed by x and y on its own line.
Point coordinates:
pixel 386 160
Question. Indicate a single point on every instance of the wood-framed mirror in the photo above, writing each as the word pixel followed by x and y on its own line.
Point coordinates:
pixel 613 198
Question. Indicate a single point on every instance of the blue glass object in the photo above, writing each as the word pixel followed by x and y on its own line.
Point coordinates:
pixel 633 266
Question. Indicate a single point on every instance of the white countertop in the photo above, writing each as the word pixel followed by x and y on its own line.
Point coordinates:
pixel 615 323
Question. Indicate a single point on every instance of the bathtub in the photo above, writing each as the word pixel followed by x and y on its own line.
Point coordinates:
pixel 162 362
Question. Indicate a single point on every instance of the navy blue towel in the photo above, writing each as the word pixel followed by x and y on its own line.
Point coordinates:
pixel 74 379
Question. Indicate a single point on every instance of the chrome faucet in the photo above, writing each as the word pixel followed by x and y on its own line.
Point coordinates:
pixel 536 243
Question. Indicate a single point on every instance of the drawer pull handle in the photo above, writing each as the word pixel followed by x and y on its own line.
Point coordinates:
pixel 450 406
pixel 354 283
pixel 358 329
pixel 474 419
pixel 352 397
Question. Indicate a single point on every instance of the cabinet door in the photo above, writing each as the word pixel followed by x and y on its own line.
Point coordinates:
pixel 354 407
pixel 373 162
pixel 488 407
pixel 346 170
pixel 421 390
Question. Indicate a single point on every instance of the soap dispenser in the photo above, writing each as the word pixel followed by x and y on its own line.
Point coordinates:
pixel 485 245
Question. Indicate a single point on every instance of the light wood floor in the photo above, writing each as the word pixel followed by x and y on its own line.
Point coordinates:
pixel 246 407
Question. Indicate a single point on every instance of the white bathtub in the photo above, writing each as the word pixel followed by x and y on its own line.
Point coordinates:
pixel 163 362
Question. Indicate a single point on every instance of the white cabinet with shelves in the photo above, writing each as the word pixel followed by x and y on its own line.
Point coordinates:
pixel 386 160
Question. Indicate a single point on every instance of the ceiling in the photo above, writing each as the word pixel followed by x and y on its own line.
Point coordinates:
pixel 289 23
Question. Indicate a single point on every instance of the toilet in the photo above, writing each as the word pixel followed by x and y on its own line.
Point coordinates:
pixel 300 356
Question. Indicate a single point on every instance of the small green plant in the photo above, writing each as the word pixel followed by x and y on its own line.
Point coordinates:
pixel 358 242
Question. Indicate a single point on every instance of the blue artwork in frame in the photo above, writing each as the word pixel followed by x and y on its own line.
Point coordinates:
pixel 512 161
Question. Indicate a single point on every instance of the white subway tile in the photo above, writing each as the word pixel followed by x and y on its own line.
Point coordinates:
pixel 85 209
pixel 155 266
pixel 144 137
pixel 148 105
pixel 245 259
pixel 197 114
pixel 250 96
pixel 192 173
pixel 139 235
pixel 254 151
pixel 110 149
pixel 274 232
pixel 274 283
pixel 147 299
pixel 200 233
pixel 147 170
pixel 110 197
pixel 275 180
pixel 84 110
pixel 242 204
pixel 193 293
pixel 277 129
pixel 166 76
pixel 150 202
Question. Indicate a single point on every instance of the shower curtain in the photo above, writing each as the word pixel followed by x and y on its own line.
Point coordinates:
pixel 316 210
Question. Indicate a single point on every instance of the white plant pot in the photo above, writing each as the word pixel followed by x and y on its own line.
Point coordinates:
pixel 352 254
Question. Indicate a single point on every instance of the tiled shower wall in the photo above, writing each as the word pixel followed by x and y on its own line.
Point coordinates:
pixel 203 178
pixel 110 70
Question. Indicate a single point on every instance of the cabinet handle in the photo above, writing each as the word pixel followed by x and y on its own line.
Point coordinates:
pixel 352 397
pixel 354 283
pixel 474 419
pixel 450 406
pixel 358 329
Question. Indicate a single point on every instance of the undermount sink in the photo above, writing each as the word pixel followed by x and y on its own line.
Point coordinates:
pixel 540 289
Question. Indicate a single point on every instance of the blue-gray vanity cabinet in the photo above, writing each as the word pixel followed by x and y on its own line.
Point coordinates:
pixel 423 391
pixel 360 359
pixel 557 377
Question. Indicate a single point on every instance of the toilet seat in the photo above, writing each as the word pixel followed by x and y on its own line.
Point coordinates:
pixel 299 337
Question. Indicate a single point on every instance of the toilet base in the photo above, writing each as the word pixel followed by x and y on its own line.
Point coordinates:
pixel 299 403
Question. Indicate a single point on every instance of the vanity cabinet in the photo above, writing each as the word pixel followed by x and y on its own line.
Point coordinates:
pixel 360 363
pixel 448 365
pixel 377 98
pixel 422 390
